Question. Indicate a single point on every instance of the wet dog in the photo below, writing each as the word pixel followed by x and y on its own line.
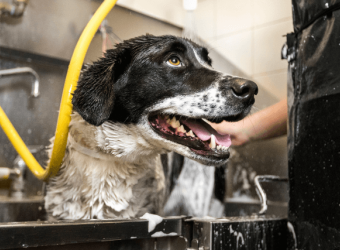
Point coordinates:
pixel 148 96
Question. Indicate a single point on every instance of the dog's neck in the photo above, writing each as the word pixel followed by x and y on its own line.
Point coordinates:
pixel 118 140
pixel 105 174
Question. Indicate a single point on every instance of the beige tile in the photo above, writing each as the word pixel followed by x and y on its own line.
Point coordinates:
pixel 237 49
pixel 233 16
pixel 268 42
pixel 165 10
pixel 204 18
pixel 211 42
pixel 266 11
pixel 275 83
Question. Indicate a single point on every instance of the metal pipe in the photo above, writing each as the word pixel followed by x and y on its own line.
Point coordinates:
pixel 6 173
pixel 23 70
pixel 261 193
pixel 6 8
pixel 19 165
pixel 16 9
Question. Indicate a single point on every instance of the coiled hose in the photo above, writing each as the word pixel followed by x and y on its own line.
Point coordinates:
pixel 64 118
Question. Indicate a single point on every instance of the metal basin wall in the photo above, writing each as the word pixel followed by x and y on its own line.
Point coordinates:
pixel 18 210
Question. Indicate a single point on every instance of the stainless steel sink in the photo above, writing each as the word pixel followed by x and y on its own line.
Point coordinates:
pixel 24 209
pixel 173 233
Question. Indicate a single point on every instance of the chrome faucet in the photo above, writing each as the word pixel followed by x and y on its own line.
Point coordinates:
pixel 23 70
pixel 261 193
pixel 16 9
pixel 18 173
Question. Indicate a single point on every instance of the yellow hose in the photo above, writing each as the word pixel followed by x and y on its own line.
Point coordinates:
pixel 66 102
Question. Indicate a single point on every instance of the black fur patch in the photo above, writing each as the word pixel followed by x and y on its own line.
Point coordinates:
pixel 135 75
pixel 95 96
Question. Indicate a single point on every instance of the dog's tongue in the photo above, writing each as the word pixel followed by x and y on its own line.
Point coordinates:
pixel 204 131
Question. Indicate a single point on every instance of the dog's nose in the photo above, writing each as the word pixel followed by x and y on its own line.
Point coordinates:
pixel 244 89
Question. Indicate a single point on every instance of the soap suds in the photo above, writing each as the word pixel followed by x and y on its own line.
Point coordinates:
pixel 161 234
pixel 153 219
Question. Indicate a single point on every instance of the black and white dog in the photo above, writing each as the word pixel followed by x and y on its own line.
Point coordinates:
pixel 148 96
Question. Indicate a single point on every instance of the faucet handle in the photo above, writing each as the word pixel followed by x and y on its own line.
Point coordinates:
pixel 17 189
pixel 6 173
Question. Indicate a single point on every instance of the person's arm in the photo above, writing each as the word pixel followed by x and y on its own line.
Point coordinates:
pixel 268 123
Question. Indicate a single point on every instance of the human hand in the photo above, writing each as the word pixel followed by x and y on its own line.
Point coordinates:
pixel 268 123
pixel 237 131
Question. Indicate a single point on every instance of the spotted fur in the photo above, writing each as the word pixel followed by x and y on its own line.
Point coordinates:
pixel 112 168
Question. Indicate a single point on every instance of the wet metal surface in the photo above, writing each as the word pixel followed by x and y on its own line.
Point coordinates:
pixel 34 234
pixel 239 208
pixel 243 233
pixel 23 209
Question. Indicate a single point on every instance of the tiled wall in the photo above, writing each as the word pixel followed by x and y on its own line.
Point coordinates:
pixel 249 33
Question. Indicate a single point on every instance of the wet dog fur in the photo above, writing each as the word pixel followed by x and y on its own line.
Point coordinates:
pixel 112 167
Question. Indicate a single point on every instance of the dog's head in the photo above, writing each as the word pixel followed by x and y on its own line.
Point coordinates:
pixel 166 87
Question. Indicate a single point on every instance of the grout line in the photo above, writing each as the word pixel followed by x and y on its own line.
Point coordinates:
pixel 273 91
pixel 282 20
pixel 215 18
pixel 272 72
pixel 252 41
pixel 233 33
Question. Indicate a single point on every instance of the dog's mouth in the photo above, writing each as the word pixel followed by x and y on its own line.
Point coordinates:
pixel 196 134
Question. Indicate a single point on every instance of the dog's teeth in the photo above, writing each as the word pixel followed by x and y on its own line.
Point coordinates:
pixel 213 142
pixel 205 120
pixel 219 147
pixel 174 123
pixel 177 124
pixel 181 129
pixel 190 133
pixel 168 121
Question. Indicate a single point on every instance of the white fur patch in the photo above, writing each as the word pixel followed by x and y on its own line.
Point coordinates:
pixel 88 187
pixel 208 102
pixel 198 58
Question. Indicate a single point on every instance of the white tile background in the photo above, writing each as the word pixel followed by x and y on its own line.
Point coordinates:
pixel 249 33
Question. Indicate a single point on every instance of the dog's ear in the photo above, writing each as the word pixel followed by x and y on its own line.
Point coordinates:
pixel 94 97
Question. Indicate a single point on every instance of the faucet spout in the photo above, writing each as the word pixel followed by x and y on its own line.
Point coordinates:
pixel 16 9
pixel 23 70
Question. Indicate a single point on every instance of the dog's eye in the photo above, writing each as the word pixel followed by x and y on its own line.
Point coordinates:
pixel 174 61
